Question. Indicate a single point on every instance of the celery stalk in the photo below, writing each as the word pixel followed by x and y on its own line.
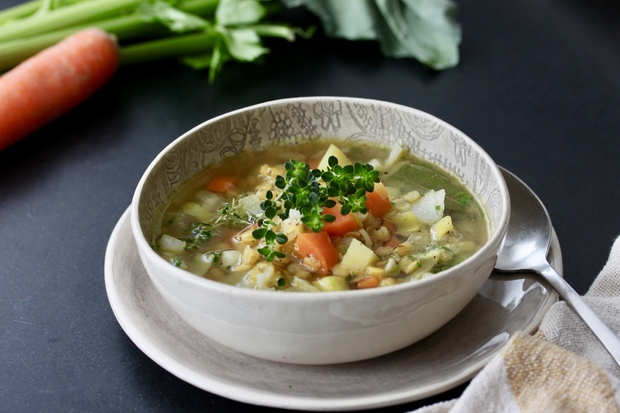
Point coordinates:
pixel 130 27
pixel 20 11
pixel 168 47
pixel 75 14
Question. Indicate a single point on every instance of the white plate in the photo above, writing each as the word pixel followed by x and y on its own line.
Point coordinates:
pixel 451 356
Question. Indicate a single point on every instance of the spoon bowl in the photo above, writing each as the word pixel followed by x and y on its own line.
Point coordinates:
pixel 526 246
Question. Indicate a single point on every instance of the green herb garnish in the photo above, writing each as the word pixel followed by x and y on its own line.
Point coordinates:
pixel 230 215
pixel 301 189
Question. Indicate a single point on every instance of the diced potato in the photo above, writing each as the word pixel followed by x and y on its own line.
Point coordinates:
pixel 405 222
pixel 442 228
pixel 333 150
pixel 358 257
pixel 332 283
pixel 195 210
pixel 168 243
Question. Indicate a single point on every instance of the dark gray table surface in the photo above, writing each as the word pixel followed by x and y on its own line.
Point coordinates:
pixel 538 87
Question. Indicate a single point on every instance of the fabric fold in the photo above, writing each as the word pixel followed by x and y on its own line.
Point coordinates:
pixel 562 368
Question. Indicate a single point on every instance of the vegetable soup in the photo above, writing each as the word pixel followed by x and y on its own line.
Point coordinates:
pixel 328 216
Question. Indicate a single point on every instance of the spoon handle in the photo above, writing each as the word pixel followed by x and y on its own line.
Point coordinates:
pixel 607 337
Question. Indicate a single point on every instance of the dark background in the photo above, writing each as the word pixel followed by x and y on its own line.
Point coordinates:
pixel 538 87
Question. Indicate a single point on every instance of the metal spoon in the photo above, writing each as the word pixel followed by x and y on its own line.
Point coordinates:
pixel 526 246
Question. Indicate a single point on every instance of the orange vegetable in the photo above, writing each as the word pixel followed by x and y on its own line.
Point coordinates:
pixel 370 281
pixel 342 224
pixel 54 81
pixel 318 246
pixel 222 184
pixel 378 201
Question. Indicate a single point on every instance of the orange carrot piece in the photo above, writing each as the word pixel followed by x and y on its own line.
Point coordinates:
pixel 378 201
pixel 370 281
pixel 318 246
pixel 54 81
pixel 342 224
pixel 221 184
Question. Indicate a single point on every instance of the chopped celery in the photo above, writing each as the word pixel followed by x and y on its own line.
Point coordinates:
pixel 197 211
pixel 168 243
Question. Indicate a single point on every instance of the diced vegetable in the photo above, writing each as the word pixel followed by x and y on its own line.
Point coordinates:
pixel 251 205
pixel 358 257
pixel 395 154
pixel 442 228
pixel 195 210
pixel 201 263
pixel 169 243
pixel 342 224
pixel 319 247
pixel 209 200
pixel 332 283
pixel 378 201
pixel 230 258
pixel 430 208
pixel 333 150
pixel 222 184
pixel 405 222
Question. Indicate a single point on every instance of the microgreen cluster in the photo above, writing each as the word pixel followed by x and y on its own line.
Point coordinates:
pixel 309 191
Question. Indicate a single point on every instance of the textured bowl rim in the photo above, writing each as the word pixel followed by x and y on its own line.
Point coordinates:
pixel 487 249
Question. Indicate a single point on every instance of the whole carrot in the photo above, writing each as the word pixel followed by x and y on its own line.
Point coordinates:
pixel 53 81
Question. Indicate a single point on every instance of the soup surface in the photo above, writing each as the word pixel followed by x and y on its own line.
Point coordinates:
pixel 320 217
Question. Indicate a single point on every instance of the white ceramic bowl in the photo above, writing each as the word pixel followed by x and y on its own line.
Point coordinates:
pixel 320 328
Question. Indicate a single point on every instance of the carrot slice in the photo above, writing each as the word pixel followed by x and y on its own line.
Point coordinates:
pixel 318 246
pixel 342 224
pixel 222 184
pixel 370 281
pixel 54 81
pixel 378 201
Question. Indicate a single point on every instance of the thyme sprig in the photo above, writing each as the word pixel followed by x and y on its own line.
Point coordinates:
pixel 229 215
pixel 309 191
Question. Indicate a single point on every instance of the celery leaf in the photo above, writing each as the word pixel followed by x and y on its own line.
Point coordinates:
pixel 422 29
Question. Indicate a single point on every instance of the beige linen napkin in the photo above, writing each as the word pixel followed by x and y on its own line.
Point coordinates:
pixel 563 368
